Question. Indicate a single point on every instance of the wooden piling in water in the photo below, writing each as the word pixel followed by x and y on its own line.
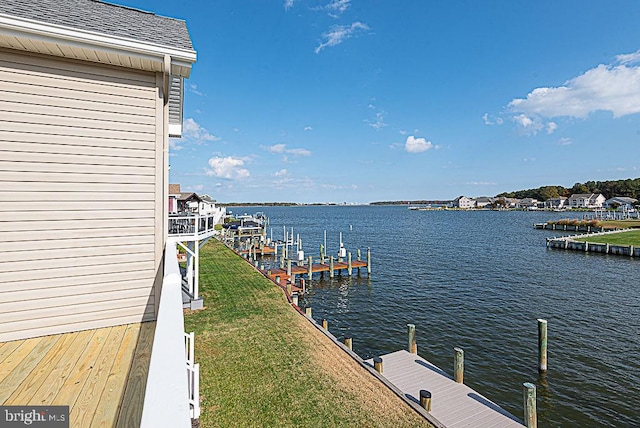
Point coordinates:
pixel 330 266
pixel 377 364
pixel 412 346
pixel 542 345
pixel 358 254
pixel 349 268
pixel 348 342
pixel 307 312
pixel 321 253
pixel 310 273
pixel 289 267
pixel 368 261
pixel 425 399
pixel 530 412
pixel 289 288
pixel 458 365
pixel 325 324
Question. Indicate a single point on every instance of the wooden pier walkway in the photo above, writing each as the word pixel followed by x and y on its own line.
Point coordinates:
pixel 453 404
pixel 297 270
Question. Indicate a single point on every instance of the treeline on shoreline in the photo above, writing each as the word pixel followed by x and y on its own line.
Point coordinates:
pixel 629 187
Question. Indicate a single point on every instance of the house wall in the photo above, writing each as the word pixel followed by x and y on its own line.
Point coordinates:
pixel 81 195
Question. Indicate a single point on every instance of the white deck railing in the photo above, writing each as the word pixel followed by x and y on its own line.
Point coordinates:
pixel 194 226
pixel 168 397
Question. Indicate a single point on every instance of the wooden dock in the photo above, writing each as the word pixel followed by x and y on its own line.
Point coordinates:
pixel 453 404
pixel 299 270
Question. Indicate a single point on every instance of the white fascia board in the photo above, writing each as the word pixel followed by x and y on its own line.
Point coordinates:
pixel 50 33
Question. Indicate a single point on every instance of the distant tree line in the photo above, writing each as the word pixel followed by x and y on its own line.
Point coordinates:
pixel 629 188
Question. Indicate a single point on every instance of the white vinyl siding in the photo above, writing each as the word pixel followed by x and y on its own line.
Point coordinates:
pixel 80 192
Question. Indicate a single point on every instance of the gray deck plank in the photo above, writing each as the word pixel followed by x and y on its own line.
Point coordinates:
pixel 455 405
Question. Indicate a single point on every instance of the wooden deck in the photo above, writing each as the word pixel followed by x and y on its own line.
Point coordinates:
pixel 454 404
pixel 101 374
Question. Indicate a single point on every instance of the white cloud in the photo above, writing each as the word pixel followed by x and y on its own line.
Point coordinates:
pixel 550 127
pixel 417 145
pixel 488 121
pixel 193 88
pixel 308 128
pixel 281 173
pixel 277 148
pixel 288 4
pixel 174 144
pixel 565 141
pixel 529 159
pixel 481 183
pixel 629 58
pixel 282 148
pixel 403 132
pixel 227 167
pixel 298 152
pixel 195 133
pixel 339 33
pixel 379 122
pixel 338 6
pixel 614 88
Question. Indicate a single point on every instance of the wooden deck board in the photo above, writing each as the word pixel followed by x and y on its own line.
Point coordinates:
pixel 25 365
pixel 113 392
pixel 89 398
pixel 454 405
pixel 88 371
pixel 59 373
pixel 130 413
pixel 28 388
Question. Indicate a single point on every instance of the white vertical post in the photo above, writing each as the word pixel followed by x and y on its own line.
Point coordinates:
pixel 196 270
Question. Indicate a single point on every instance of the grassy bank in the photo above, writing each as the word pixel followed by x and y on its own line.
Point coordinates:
pixel 631 237
pixel 262 364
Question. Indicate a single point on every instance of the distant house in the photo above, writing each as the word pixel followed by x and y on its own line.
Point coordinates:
pixel 464 202
pixel 620 202
pixel 483 202
pixel 556 203
pixel 512 202
pixel 527 203
pixel 174 194
pixel 586 200
pixel 189 202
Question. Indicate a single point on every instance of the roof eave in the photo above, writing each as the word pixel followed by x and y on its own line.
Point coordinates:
pixel 86 45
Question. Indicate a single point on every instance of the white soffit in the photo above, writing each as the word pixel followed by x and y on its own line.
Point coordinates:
pixel 48 39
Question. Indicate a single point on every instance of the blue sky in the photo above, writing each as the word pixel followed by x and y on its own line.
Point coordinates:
pixel 362 101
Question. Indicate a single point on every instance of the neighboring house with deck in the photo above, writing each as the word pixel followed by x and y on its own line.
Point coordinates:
pixel 90 92
pixel 620 202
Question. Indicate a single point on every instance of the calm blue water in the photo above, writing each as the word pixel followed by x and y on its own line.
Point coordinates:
pixel 479 280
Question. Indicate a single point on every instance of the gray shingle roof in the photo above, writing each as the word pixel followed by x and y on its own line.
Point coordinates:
pixel 105 18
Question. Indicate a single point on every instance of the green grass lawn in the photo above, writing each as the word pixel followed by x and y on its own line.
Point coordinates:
pixel 631 237
pixel 263 364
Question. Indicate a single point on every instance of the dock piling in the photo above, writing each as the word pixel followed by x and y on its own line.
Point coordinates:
pixel 542 345
pixel 325 324
pixel 358 254
pixel 530 413
pixel 307 312
pixel 348 342
pixel 425 399
pixel 458 365
pixel 412 347
pixel 349 268
pixel 377 364
pixel 310 273
pixel 368 261
pixel 330 266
